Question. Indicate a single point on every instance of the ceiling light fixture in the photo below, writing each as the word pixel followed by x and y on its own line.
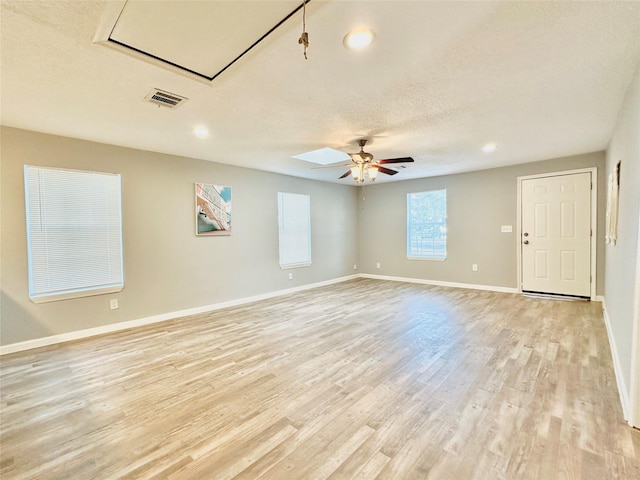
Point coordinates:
pixel 489 147
pixel 358 39
pixel 201 132
pixel 364 166
pixel 361 171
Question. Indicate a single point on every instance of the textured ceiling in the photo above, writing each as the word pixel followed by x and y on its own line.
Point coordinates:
pixel 540 79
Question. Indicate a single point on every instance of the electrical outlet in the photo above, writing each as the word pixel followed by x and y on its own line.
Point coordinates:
pixel 355 267
pixel 378 265
pixel 291 276
pixel 506 229
pixel 474 267
pixel 113 303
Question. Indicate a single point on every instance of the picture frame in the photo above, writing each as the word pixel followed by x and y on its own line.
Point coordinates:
pixel 213 209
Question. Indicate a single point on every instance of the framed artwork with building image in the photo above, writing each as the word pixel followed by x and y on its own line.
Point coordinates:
pixel 213 210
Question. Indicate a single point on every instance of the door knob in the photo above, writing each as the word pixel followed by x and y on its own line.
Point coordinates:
pixel 526 234
pixel 526 242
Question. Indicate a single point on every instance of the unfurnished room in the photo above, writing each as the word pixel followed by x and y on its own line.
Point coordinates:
pixel 319 239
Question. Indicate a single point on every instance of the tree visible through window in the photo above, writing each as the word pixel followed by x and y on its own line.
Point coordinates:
pixel 427 225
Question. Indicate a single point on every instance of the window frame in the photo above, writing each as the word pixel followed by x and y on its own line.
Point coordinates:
pixel 41 247
pixel 283 198
pixel 412 254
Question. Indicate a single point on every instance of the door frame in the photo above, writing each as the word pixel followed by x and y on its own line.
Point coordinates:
pixel 594 221
pixel 634 400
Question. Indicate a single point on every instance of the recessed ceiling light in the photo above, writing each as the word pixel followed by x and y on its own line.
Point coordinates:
pixel 489 147
pixel 201 132
pixel 358 39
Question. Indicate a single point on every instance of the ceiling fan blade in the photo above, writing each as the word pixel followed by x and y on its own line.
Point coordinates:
pixel 396 160
pixel 331 166
pixel 346 174
pixel 388 171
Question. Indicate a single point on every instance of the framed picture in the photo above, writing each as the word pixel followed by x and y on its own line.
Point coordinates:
pixel 213 210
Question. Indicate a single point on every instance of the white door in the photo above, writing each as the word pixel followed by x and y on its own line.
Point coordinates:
pixel 556 234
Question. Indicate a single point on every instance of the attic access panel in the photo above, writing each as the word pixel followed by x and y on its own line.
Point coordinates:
pixel 202 38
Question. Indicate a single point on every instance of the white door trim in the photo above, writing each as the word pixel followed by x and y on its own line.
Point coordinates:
pixel 634 404
pixel 594 218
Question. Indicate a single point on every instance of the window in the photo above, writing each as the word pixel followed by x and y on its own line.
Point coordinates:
pixel 427 225
pixel 74 233
pixel 294 229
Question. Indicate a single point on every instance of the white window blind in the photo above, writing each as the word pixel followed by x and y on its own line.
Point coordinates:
pixel 294 229
pixel 427 225
pixel 74 233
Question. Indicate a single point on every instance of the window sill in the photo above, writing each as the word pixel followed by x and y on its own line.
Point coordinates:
pixel 74 294
pixel 295 265
pixel 429 259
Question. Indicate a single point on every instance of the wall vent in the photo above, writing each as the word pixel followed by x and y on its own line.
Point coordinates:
pixel 164 99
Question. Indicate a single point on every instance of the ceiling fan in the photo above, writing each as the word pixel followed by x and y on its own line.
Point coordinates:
pixel 365 166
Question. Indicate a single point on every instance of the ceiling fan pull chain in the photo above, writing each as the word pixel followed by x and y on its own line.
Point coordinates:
pixel 304 38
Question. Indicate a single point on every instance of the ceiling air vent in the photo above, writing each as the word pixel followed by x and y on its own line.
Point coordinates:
pixel 164 99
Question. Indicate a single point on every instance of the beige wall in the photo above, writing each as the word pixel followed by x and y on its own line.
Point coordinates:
pixel 478 204
pixel 622 259
pixel 167 268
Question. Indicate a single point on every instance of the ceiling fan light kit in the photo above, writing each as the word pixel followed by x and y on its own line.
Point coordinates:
pixel 359 172
pixel 365 166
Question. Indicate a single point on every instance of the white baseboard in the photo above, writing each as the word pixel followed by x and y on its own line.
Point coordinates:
pixel 91 332
pixel 617 367
pixel 439 283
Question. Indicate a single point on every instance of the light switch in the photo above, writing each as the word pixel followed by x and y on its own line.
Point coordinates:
pixel 506 229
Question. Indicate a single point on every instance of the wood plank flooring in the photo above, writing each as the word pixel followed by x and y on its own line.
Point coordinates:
pixel 364 380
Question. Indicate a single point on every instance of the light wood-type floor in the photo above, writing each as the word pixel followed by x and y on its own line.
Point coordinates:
pixel 359 380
